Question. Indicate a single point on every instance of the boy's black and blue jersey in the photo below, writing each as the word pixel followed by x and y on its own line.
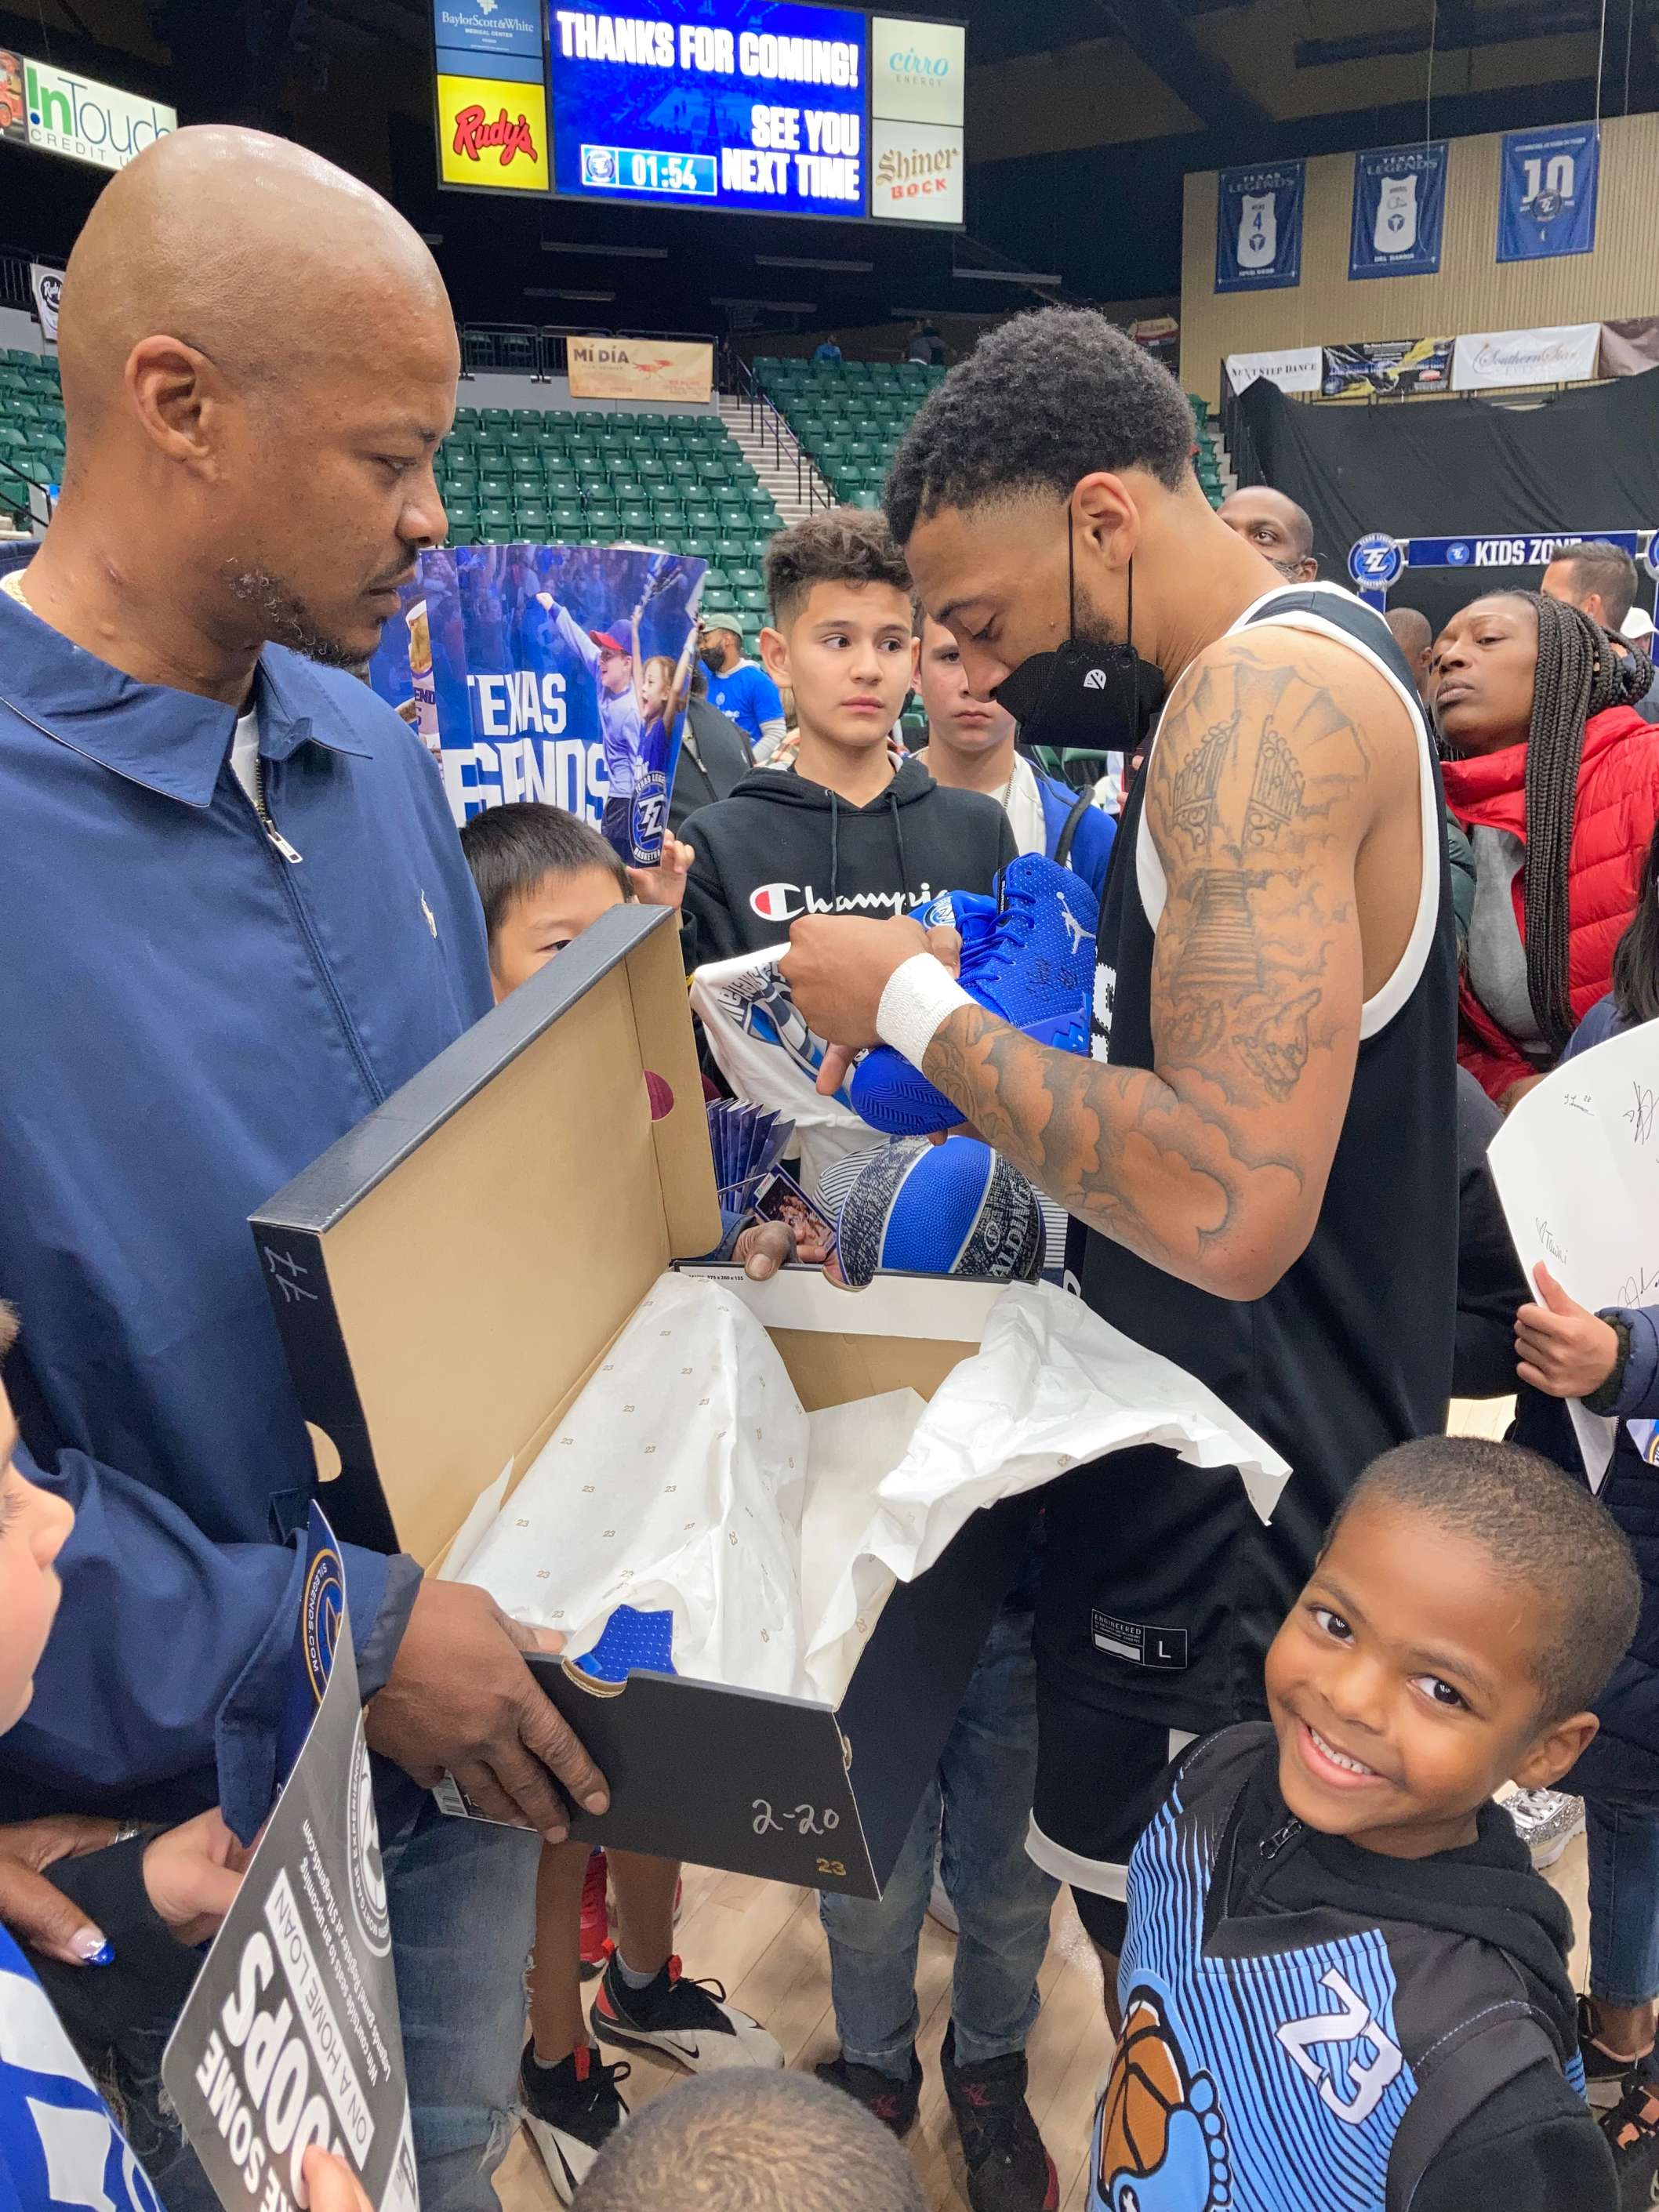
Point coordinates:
pixel 1310 2027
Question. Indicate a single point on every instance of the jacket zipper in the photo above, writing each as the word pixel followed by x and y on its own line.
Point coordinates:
pixel 257 795
pixel 1271 1846
pixel 286 853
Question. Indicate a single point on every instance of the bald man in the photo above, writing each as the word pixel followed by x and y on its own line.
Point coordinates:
pixel 236 918
pixel 1415 639
pixel 1280 529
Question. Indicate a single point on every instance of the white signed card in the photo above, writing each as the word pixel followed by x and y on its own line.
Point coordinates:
pixel 1576 1166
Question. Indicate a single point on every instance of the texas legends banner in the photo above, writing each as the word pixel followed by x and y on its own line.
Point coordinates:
pixel 1399 203
pixel 291 2036
pixel 1258 227
pixel 641 370
pixel 555 672
pixel 1546 188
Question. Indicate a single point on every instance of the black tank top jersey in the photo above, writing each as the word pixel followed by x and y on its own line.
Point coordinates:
pixel 1162 1587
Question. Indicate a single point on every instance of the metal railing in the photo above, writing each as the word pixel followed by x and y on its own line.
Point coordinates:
pixel 767 424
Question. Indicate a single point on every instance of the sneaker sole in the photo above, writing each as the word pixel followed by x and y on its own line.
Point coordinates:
pixel 549 2145
pixel 722 2054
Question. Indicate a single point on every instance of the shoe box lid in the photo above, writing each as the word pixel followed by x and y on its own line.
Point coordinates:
pixel 448 1276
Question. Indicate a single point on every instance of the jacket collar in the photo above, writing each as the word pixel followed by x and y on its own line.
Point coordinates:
pixel 171 741
pixel 1491 787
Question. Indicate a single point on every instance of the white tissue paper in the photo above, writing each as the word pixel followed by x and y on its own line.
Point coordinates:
pixel 686 1477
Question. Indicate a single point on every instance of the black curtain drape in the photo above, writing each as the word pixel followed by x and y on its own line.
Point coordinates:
pixel 1581 461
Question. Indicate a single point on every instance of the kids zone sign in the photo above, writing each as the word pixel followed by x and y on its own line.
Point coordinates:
pixel 57 112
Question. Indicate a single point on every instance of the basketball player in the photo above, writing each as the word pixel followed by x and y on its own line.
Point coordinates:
pixel 1274 1008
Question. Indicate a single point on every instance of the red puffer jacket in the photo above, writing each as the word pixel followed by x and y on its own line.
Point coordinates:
pixel 1611 829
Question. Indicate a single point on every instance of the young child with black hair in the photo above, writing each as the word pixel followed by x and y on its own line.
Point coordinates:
pixel 543 878
pixel 1344 1988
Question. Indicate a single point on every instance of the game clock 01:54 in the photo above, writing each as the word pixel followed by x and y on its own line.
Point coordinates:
pixel 637 169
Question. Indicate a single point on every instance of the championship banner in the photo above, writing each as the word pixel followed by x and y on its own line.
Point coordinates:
pixel 1294 369
pixel 47 285
pixel 1258 227
pixel 1546 190
pixel 1399 204
pixel 554 673
pixel 1380 369
pixel 639 370
pixel 1486 360
pixel 290 2035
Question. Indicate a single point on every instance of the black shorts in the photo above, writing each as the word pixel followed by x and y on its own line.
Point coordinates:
pixel 1139 1649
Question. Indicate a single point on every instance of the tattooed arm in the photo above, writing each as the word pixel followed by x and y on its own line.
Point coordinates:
pixel 1276 757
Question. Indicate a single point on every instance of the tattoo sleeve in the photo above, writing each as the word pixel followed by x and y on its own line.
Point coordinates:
pixel 1212 1164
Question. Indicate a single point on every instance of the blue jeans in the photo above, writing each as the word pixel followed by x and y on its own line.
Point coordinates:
pixel 462 1895
pixel 974 1817
pixel 1624 1900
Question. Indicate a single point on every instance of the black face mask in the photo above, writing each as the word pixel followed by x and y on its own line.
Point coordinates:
pixel 1102 697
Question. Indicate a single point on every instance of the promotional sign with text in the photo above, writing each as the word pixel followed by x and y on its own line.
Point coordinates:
pixel 1487 360
pixel 917 72
pixel 641 370
pixel 290 2036
pixel 57 111
pixel 554 673
pixel 776 106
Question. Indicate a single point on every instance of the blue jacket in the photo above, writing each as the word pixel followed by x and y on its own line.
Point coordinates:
pixel 1091 840
pixel 187 1019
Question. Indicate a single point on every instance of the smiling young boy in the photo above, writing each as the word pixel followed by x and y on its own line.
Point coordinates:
pixel 846 830
pixel 1343 1987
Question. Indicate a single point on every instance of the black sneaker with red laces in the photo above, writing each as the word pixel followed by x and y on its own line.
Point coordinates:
pixel 571 2111
pixel 883 2096
pixel 1632 2132
pixel 1008 2168
pixel 691 2022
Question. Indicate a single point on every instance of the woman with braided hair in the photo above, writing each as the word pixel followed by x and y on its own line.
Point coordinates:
pixel 1555 776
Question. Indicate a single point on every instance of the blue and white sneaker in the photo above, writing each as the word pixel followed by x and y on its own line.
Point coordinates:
pixel 1028 955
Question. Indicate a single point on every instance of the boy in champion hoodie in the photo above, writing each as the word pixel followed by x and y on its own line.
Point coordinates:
pixel 1344 1988
pixel 846 830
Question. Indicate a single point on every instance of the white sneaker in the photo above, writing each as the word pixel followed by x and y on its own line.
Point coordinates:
pixel 689 2022
pixel 1546 1821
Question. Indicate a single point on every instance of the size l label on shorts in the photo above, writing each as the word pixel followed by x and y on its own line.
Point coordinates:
pixel 1163 1649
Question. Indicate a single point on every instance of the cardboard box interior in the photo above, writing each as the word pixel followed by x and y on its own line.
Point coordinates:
pixel 450 1273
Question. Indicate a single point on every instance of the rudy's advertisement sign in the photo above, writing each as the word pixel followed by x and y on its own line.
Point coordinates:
pixel 917 71
pixel 915 172
pixel 57 111
pixel 291 2036
pixel 639 370
pixel 553 673
pixel 1485 360
pixel 492 133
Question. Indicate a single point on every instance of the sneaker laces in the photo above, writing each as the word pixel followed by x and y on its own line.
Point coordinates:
pixel 1002 2124
pixel 1637 2113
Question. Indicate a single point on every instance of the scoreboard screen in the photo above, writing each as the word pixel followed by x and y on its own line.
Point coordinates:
pixel 766 106
pixel 756 104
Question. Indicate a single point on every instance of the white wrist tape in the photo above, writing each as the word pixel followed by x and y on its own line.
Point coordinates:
pixel 920 997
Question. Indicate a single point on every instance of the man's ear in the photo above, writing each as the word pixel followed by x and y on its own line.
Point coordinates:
pixel 1307 570
pixel 774 656
pixel 1552 1753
